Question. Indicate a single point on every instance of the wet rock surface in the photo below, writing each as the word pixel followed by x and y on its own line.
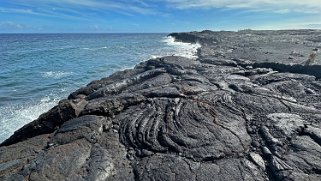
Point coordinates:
pixel 223 116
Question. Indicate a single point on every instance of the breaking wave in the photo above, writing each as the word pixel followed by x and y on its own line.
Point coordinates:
pixel 188 50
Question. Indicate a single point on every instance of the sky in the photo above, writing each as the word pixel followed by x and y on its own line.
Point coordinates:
pixel 155 16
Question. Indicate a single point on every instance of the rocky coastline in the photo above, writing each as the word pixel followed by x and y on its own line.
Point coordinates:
pixel 245 109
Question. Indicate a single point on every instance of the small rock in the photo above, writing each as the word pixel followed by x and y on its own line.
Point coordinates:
pixel 266 151
pixel 255 144
pixel 115 131
pixel 258 160
pixel 310 91
pixel 49 145
pixel 116 126
pixel 250 130
pixel 268 136
pixel 143 153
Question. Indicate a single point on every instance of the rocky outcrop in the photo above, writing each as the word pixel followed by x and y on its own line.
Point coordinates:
pixel 173 118
pixel 283 47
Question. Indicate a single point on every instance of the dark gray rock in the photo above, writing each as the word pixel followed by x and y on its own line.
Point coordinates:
pixel 242 111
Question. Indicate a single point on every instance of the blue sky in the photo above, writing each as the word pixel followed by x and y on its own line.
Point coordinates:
pixel 114 16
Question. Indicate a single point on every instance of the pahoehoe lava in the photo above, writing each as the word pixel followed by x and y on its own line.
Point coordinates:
pixel 245 109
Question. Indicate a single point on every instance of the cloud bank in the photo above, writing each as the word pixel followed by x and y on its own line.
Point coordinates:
pixel 175 14
pixel 160 7
pixel 9 25
pixel 277 6
pixel 127 7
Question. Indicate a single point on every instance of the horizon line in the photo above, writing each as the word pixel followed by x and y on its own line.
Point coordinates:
pixel 85 32
pixel 246 29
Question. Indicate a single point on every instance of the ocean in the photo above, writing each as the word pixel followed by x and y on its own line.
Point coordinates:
pixel 38 70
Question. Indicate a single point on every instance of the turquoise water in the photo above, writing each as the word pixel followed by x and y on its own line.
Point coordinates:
pixel 37 70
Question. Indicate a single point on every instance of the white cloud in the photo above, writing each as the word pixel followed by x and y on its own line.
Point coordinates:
pixel 15 10
pixel 9 25
pixel 126 7
pixel 277 6
pixel 41 11
pixel 149 7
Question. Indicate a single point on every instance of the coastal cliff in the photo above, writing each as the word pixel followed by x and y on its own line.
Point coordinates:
pixel 245 109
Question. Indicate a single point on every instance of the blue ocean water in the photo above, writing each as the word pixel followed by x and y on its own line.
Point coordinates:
pixel 37 70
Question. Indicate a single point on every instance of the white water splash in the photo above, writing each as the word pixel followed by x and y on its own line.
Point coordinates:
pixel 97 48
pixel 55 74
pixel 183 49
pixel 13 117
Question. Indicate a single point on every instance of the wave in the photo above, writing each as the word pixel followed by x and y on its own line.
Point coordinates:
pixel 55 74
pixel 154 56
pixel 98 48
pixel 183 49
pixel 14 116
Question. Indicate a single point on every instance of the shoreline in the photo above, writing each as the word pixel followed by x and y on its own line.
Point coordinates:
pixel 49 91
pixel 225 115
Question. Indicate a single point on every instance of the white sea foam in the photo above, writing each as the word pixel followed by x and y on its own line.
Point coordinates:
pixel 97 48
pixel 188 50
pixel 55 74
pixel 154 56
pixel 13 117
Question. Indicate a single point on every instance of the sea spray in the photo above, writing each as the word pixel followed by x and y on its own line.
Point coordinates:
pixel 188 50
